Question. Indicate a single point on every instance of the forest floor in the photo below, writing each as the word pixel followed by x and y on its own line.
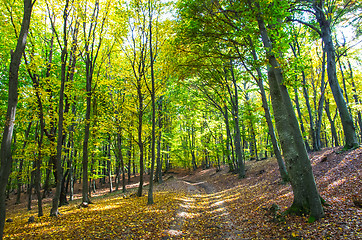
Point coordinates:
pixel 205 204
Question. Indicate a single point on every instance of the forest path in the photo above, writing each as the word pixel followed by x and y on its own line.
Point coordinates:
pixel 202 212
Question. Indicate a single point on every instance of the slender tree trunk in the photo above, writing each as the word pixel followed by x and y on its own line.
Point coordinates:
pixel 350 136
pixel 153 96
pixel 109 166
pixel 140 142
pixel 307 103
pixel 192 142
pixel 237 137
pixel 85 189
pixel 54 210
pixel 30 186
pixel 333 128
pixel 129 151
pixel 47 177
pixel 300 116
pixel 72 171
pixel 38 161
pixel 121 161
pixel 5 151
pixel 229 140
pixel 318 125
pixel 343 82
pixel 356 99
pixel 296 52
pixel 159 159
pixel 19 177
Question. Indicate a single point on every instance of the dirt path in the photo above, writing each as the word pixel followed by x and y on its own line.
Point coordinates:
pixel 202 212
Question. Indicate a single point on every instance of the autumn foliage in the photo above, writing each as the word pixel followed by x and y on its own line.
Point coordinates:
pixel 211 205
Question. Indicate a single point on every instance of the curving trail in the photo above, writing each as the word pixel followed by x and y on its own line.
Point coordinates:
pixel 202 212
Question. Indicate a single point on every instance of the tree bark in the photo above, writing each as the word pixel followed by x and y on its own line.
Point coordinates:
pixel 282 170
pixel 55 203
pixel 5 151
pixel 21 164
pixel 351 140
pixel 237 137
pixel 121 161
pixel 153 96
pixel 333 128
pixel 306 196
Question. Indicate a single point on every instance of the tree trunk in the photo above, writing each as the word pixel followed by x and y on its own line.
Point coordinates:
pixel 282 170
pixel 306 196
pixel 350 136
pixel 300 118
pixel 109 166
pixel 19 177
pixel 237 137
pixel 333 128
pixel 38 161
pixel 356 100
pixel 54 210
pixel 5 151
pixel 318 125
pixel 85 189
pixel 121 161
pixel 30 186
pixel 159 159
pixel 140 141
pixel 153 96
pixel 129 151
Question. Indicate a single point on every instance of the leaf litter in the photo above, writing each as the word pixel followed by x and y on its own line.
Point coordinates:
pixel 206 204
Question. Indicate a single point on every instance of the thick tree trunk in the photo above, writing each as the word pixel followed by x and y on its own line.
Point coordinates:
pixel 5 151
pixel 306 196
pixel 350 136
pixel 282 170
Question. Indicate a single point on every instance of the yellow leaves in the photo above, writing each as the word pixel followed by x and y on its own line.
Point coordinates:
pixel 109 217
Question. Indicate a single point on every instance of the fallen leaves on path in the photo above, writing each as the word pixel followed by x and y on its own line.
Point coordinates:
pixel 213 205
pixel 113 217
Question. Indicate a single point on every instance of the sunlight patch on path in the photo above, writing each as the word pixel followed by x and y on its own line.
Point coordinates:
pixel 202 214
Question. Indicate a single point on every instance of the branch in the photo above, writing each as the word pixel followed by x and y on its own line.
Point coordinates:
pixel 306 24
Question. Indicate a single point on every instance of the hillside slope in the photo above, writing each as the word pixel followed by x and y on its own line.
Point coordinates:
pixel 206 204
